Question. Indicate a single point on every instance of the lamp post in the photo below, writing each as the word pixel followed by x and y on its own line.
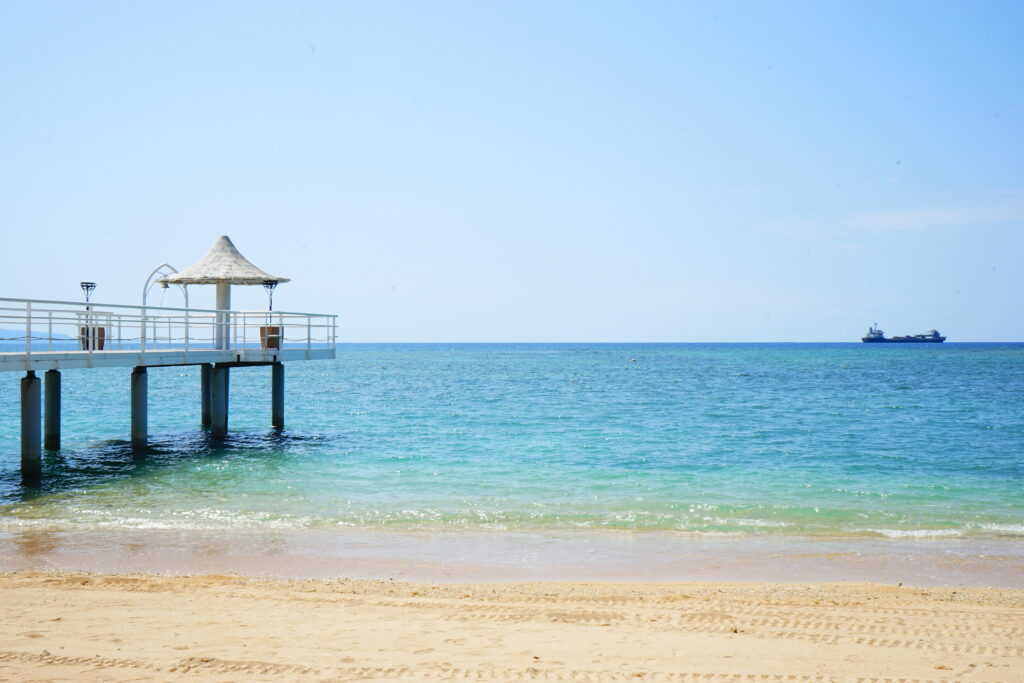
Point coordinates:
pixel 89 333
pixel 87 287
pixel 270 337
pixel 270 285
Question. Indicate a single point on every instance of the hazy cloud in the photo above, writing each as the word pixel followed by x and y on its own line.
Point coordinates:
pixel 951 217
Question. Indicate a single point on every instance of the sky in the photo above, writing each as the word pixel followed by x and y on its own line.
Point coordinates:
pixel 528 171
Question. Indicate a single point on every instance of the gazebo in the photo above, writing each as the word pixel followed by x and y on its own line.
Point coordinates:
pixel 223 266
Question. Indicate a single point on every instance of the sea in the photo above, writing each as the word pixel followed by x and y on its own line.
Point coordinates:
pixel 663 461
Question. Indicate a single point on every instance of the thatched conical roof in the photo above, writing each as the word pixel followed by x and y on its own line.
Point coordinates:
pixel 223 263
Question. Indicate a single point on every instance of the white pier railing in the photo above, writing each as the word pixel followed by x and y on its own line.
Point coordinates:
pixel 37 326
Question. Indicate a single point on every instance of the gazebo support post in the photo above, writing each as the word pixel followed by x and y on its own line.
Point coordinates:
pixel 51 410
pixel 219 389
pixel 140 408
pixel 223 319
pixel 277 395
pixel 31 453
pixel 204 395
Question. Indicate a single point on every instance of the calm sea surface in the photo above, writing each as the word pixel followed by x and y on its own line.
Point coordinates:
pixel 706 439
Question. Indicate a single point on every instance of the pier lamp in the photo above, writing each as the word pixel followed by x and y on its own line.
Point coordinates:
pixel 270 285
pixel 87 287
pixel 92 337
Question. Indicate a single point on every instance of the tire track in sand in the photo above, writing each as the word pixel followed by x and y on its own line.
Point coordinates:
pixel 190 666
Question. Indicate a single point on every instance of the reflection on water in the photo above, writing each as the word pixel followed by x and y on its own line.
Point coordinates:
pixel 115 459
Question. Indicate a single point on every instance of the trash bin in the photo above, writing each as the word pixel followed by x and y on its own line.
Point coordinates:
pixel 92 337
pixel 270 337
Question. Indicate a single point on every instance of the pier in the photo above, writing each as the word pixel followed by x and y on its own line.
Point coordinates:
pixel 53 336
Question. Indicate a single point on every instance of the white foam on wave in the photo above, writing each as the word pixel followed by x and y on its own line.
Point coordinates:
pixel 761 523
pixel 917 533
pixel 1009 529
pixel 180 520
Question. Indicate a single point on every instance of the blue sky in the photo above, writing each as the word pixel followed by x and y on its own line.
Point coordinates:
pixel 529 171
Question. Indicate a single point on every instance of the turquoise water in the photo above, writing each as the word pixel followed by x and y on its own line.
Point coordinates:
pixel 706 439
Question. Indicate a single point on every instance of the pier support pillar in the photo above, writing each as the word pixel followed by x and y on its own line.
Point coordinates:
pixel 31 451
pixel 204 392
pixel 219 390
pixel 51 410
pixel 140 408
pixel 277 395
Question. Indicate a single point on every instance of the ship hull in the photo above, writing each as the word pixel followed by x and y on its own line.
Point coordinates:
pixel 871 340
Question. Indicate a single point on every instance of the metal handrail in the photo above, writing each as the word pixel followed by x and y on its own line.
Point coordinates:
pixel 157 326
pixel 95 305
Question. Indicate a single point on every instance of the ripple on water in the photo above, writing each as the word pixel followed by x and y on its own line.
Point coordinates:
pixel 700 439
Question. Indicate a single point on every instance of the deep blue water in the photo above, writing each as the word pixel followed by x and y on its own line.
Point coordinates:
pixel 807 439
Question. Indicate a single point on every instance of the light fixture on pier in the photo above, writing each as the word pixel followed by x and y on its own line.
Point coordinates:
pixel 87 287
pixel 270 285
pixel 92 337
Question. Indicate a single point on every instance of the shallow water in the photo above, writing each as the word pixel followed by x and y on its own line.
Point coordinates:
pixel 823 440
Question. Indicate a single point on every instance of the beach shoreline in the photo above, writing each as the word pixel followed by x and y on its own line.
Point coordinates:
pixel 493 556
pixel 80 626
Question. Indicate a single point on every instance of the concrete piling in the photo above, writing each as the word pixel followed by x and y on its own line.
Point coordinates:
pixel 277 395
pixel 51 410
pixel 31 432
pixel 204 391
pixel 41 408
pixel 219 391
pixel 140 408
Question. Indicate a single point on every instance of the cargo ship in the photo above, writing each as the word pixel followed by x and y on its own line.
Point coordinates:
pixel 876 336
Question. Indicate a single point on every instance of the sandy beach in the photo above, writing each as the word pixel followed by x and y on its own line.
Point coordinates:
pixel 100 627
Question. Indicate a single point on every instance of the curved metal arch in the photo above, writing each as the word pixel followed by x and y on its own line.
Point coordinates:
pixel 163 270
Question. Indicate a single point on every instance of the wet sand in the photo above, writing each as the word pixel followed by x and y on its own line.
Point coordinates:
pixel 96 627
pixel 459 557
